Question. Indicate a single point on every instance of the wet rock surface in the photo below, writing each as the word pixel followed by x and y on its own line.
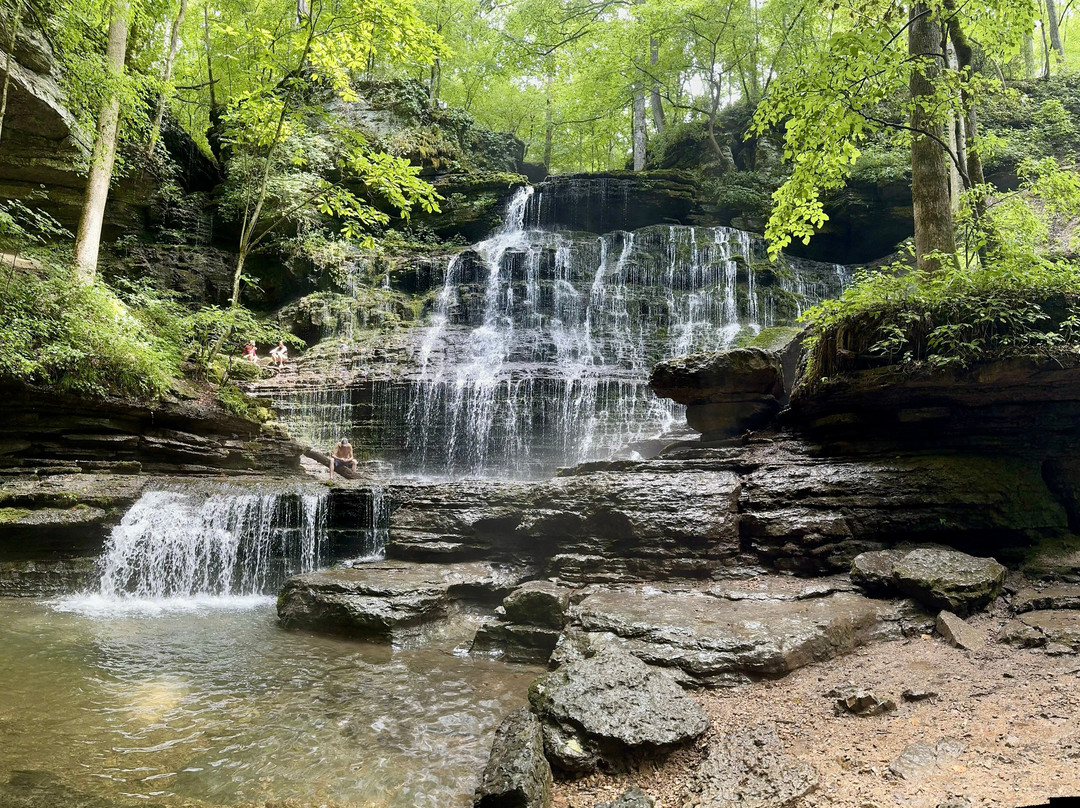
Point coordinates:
pixel 937 577
pixel 750 768
pixel 597 711
pixel 517 774
pixel 538 603
pixel 378 599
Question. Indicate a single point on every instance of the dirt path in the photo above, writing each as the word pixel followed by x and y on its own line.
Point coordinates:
pixel 1015 714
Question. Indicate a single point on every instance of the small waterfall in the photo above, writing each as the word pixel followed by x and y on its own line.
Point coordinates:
pixel 183 544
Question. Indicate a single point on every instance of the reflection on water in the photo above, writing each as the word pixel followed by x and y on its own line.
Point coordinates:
pixel 225 708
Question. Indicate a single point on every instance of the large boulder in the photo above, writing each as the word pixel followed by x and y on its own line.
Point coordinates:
pixel 749 768
pixel 538 603
pixel 937 577
pixel 598 711
pixel 517 774
pixel 376 600
pixel 726 393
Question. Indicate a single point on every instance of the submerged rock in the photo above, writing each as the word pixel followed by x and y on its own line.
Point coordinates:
pixel 377 599
pixel 517 774
pixel 749 768
pixel 515 643
pixel 597 711
pixel 935 576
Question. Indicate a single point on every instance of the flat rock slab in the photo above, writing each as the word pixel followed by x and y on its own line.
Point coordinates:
pixel 710 638
pixel 597 711
pixel 918 760
pixel 1055 596
pixel 750 769
pixel 958 633
pixel 375 600
pixel 1056 626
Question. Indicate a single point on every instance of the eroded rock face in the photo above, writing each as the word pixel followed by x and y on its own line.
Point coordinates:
pixel 597 711
pixel 750 768
pixel 376 600
pixel 517 774
pixel 642 520
pixel 726 393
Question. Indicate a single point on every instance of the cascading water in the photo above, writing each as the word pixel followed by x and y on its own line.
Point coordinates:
pixel 538 344
pixel 187 545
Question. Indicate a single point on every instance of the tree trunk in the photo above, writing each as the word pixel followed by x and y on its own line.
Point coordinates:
pixel 436 82
pixel 1046 48
pixel 1029 56
pixel 1052 27
pixel 88 238
pixel 929 172
pixel 640 135
pixel 968 153
pixel 11 50
pixel 654 96
pixel 549 123
pixel 170 60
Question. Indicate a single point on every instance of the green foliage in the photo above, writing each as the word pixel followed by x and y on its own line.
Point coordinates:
pixel 80 338
pixel 950 317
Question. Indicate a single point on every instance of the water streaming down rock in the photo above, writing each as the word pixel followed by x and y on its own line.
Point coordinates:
pixel 538 343
pixel 186 543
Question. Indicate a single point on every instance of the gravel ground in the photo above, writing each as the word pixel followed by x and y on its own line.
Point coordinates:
pixel 1015 714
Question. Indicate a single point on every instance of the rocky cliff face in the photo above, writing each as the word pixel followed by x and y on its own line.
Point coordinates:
pixel 44 145
pixel 46 433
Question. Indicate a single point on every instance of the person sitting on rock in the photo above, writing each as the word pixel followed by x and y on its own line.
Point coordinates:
pixel 250 353
pixel 280 354
pixel 342 457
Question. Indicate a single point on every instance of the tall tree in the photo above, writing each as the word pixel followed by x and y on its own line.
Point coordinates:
pixel 934 231
pixel 166 77
pixel 103 157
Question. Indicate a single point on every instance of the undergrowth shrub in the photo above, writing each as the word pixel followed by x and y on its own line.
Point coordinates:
pixel 955 317
pixel 80 338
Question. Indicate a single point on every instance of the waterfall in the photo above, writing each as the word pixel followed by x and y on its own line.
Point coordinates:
pixel 538 342
pixel 187 544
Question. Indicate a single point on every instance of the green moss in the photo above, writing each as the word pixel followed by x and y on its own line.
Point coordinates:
pixel 10 515
pixel 769 339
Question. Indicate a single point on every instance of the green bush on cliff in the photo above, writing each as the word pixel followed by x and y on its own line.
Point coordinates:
pixel 953 317
pixel 77 337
